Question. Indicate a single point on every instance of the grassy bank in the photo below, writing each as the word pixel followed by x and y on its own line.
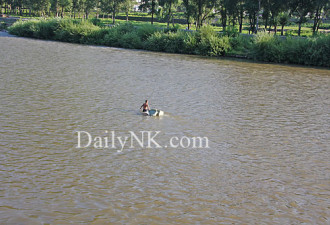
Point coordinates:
pixel 263 47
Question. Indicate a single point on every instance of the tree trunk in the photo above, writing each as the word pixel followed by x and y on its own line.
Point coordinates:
pixel 257 26
pixel 315 20
pixel 188 20
pixel 275 27
pixel 223 19
pixel 169 16
pixel 282 30
pixel 240 21
pixel 114 15
pixel 199 16
pixel 318 26
pixel 299 28
pixel 127 16
pixel 152 11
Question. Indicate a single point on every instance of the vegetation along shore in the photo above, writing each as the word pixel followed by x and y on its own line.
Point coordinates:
pixel 314 50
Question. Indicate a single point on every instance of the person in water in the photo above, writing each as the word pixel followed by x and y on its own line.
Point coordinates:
pixel 145 106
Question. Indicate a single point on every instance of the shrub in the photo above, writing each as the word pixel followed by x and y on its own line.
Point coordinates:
pixel 173 29
pixel 111 38
pixel 3 25
pixel 74 30
pixel 318 51
pixel 241 43
pixel 45 29
pixel 231 31
pixel 145 31
pixel 96 36
pixel 23 28
pixel 130 40
pixel 267 47
pixel 95 21
pixel 156 42
pixel 190 43
pixel 294 50
pixel 210 43
pixel 124 28
pixel 175 42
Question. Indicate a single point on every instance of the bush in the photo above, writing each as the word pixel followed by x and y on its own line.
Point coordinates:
pixel 145 31
pixel 45 29
pixel 96 37
pixel 74 30
pixel 175 43
pixel 24 28
pixel 130 40
pixel 96 21
pixel 156 42
pixel 264 47
pixel 124 28
pixel 210 43
pixel 241 43
pixel 3 26
pixel 267 47
pixel 190 43
pixel 112 38
pixel 294 50
pixel 231 31
pixel 319 50
pixel 173 29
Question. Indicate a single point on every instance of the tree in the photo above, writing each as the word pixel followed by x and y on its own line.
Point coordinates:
pixel 106 6
pixel 149 5
pixel 252 8
pixel 1 4
pixel 276 6
pixel 63 4
pixel 76 7
pixel 87 5
pixel 283 20
pixel 301 8
pixel 54 7
pixel 319 6
pixel 168 6
pixel 241 9
pixel 266 12
pixel 223 13
pixel 189 11
pixel 204 10
pixel 127 6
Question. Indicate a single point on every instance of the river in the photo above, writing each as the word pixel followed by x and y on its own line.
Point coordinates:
pixel 267 126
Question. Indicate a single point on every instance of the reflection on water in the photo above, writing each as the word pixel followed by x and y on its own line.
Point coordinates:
pixel 268 128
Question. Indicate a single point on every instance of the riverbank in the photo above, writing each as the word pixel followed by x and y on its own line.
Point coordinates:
pixel 5 34
pixel 265 47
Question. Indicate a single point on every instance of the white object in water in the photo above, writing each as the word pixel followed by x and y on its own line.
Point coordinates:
pixel 153 112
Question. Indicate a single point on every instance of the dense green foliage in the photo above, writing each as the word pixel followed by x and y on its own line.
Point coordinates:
pixel 263 47
pixel 272 15
pixel 308 51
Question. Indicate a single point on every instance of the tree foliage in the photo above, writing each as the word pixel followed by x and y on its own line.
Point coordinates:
pixel 224 12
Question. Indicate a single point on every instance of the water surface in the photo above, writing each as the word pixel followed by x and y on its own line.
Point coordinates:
pixel 268 128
